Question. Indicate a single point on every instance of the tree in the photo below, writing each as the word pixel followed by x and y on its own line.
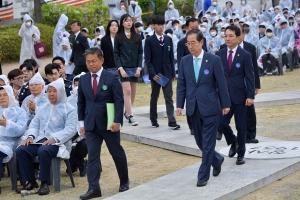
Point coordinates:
pixel 37 11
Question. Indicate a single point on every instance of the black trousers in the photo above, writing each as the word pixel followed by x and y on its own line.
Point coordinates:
pixel 80 68
pixel 168 94
pixel 266 65
pixel 94 141
pixel 78 154
pixel 251 122
pixel 285 60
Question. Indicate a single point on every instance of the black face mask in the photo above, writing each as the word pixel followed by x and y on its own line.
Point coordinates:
pixel 205 21
pixel 184 31
pixel 247 31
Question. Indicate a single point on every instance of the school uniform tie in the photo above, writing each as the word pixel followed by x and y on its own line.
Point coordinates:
pixel 128 36
pixel 95 84
pixel 229 60
pixel 196 68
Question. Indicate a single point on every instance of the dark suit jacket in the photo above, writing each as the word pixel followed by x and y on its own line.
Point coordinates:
pixel 182 49
pixel 108 52
pixel 130 54
pixel 24 92
pixel 208 92
pixel 158 59
pixel 79 46
pixel 240 78
pixel 92 110
pixel 252 50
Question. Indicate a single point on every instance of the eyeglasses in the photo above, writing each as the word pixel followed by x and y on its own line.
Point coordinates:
pixel 190 44
pixel 3 95
pixel 20 78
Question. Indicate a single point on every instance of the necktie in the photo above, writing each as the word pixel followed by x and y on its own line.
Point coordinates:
pixel 95 84
pixel 128 36
pixel 229 60
pixel 196 68
pixel 160 40
pixel 74 38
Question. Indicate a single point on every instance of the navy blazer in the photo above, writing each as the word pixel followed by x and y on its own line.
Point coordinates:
pixel 92 110
pixel 182 49
pixel 209 92
pixel 79 46
pixel 240 78
pixel 158 59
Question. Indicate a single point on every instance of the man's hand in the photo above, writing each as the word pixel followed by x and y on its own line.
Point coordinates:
pixel 114 127
pixel 178 111
pixel 134 19
pixel 138 72
pixel 3 121
pixel 210 43
pixel 31 105
pixel 69 63
pixel 156 77
pixel 49 142
pixel 16 94
pixel 195 12
pixel 82 132
pixel 33 36
pixel 225 111
pixel 249 102
pixel 265 5
pixel 123 73
pixel 27 141
pixel 256 91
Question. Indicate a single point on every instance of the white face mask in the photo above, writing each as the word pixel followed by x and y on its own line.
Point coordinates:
pixel 140 29
pixel 75 90
pixel 203 30
pixel 243 2
pixel 171 6
pixel 298 19
pixel 176 27
pixel 213 34
pixel 132 2
pixel 236 23
pixel 222 34
pixel 28 24
pixel 214 3
pixel 122 7
pixel 228 4
pixel 221 24
pixel 99 43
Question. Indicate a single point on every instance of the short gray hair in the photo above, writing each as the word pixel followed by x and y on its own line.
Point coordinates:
pixel 93 51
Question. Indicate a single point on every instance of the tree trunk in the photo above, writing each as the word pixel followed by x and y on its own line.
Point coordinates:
pixel 37 11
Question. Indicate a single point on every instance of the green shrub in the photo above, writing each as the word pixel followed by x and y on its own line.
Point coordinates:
pixel 90 15
pixel 10 41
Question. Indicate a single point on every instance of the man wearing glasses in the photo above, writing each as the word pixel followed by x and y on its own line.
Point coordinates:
pixel 16 78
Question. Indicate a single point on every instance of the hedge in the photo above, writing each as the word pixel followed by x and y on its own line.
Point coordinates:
pixel 10 41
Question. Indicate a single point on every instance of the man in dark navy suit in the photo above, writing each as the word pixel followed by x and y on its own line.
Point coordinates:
pixel 159 58
pixel 182 50
pixel 239 73
pixel 201 82
pixel 80 44
pixel 95 90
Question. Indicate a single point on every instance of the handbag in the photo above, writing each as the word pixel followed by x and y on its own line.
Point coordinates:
pixel 40 50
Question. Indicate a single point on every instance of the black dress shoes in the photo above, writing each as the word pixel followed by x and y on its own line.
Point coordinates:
pixel 28 186
pixel 219 135
pixel 90 194
pixel 217 170
pixel 232 150
pixel 44 189
pixel 124 187
pixel 201 183
pixel 252 141
pixel 240 160
pixel 83 169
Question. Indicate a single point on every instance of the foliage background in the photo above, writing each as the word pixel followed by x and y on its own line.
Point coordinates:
pixel 10 41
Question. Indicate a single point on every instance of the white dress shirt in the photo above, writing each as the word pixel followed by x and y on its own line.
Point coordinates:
pixel 112 42
pixel 200 57
pixel 76 34
pixel 158 37
pixel 242 45
pixel 233 52
pixel 81 123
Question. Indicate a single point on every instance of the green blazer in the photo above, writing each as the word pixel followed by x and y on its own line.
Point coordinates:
pixel 129 54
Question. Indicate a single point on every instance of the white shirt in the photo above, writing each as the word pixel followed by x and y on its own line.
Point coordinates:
pixel 242 45
pixel 76 34
pixel 200 57
pixel 158 37
pixel 127 34
pixel 81 123
pixel 112 42
pixel 233 53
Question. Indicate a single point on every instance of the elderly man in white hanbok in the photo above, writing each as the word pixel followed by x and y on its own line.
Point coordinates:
pixel 48 137
pixel 172 12
pixel 57 36
pixel 12 123
pixel 37 99
pixel 30 34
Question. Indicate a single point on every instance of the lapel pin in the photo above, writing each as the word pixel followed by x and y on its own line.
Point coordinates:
pixel 238 54
pixel 206 60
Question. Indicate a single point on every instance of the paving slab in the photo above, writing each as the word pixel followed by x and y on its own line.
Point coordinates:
pixel 261 100
pixel 233 182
